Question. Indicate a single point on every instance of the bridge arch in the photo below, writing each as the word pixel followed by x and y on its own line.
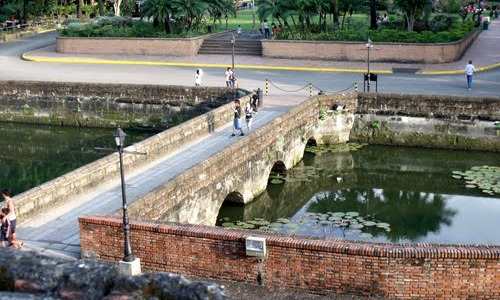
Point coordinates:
pixel 279 167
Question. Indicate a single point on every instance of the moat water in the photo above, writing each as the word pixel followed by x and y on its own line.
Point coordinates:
pixel 34 154
pixel 380 194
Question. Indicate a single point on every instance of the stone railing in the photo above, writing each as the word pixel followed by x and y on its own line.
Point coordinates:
pixel 356 51
pixel 395 271
pixel 56 191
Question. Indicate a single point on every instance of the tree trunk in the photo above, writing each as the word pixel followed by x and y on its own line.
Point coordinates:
pixel 410 21
pixel 168 25
pixel 343 19
pixel 335 14
pixel 373 14
pixel 101 7
pixel 79 6
pixel 116 6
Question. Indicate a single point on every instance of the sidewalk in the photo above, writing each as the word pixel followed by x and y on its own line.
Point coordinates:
pixel 485 53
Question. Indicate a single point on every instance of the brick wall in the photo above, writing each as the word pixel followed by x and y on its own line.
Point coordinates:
pixel 356 51
pixel 130 46
pixel 419 271
pixel 56 191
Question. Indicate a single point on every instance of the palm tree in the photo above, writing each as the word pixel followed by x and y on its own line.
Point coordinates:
pixel 160 11
pixel 190 10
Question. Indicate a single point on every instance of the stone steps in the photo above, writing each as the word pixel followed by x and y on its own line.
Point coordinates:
pixel 224 47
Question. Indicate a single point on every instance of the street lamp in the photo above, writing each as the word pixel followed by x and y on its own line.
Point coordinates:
pixel 369 45
pixel 233 41
pixel 130 265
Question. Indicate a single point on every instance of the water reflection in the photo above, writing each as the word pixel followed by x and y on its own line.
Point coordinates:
pixel 409 188
pixel 32 155
pixel 412 215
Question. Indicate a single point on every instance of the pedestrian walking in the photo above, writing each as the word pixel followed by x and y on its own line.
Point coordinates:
pixel 197 77
pixel 10 211
pixel 237 119
pixel 228 75
pixel 234 80
pixel 239 30
pixel 248 116
pixel 469 72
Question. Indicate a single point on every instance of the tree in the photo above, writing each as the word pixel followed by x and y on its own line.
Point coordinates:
pixel 160 11
pixel 373 14
pixel 411 10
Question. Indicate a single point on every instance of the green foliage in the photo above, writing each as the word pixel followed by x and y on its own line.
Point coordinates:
pixel 118 27
pixel 440 23
pixel 455 33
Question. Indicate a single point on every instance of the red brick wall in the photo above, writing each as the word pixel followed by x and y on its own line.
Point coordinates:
pixel 422 271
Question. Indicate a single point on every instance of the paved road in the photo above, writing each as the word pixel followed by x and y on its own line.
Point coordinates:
pixel 58 230
pixel 13 68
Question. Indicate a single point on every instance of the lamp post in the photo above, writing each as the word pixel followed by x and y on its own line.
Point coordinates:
pixel 130 265
pixel 233 41
pixel 368 45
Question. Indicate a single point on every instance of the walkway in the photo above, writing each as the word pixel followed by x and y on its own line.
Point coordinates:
pixel 57 231
pixel 485 52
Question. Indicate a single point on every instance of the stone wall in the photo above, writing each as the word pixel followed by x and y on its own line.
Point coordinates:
pixel 196 195
pixel 130 46
pixel 356 51
pixel 83 179
pixel 419 271
pixel 107 105
pixel 430 106
pixel 28 275
pixel 464 123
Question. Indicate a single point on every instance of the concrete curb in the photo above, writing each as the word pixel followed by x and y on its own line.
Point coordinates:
pixel 459 72
pixel 89 60
pixel 79 60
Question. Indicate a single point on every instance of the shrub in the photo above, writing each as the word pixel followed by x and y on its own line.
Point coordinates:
pixel 440 23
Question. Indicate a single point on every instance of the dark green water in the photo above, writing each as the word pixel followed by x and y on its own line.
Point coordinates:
pixel 31 155
pixel 409 189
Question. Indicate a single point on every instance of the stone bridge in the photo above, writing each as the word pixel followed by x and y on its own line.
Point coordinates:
pixel 240 172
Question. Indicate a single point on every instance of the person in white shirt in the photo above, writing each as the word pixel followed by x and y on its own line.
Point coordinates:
pixel 197 77
pixel 249 116
pixel 469 72
pixel 229 75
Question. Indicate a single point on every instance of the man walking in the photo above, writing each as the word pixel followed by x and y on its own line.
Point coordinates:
pixel 469 72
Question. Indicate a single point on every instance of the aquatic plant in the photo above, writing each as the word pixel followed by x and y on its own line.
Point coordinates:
pixel 329 224
pixel 484 178
pixel 320 149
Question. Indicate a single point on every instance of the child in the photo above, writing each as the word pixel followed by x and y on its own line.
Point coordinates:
pixel 4 230
pixel 237 119
pixel 248 116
